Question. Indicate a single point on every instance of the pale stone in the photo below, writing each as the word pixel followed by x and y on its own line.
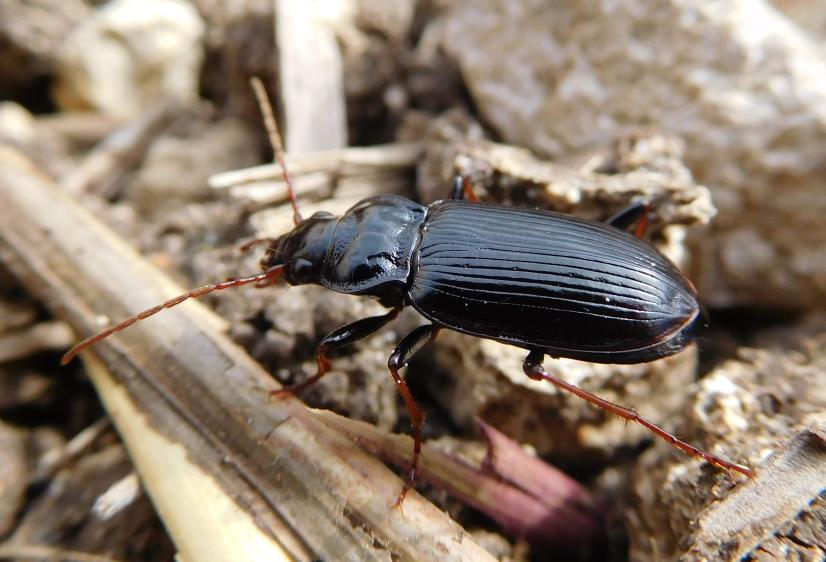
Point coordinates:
pixel 16 123
pixel 129 54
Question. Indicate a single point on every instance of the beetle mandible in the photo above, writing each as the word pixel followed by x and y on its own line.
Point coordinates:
pixel 550 283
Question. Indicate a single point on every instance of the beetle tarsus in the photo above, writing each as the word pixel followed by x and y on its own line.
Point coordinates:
pixel 350 333
pixel 407 348
pixel 534 369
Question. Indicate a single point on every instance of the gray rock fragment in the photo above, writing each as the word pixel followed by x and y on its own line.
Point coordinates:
pixel 741 85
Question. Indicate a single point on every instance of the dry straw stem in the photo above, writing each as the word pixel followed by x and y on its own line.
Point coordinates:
pixel 341 162
pixel 353 171
pixel 311 73
pixel 233 476
pixel 528 497
pixel 101 169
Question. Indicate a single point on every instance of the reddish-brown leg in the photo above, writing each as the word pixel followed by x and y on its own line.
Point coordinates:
pixel 347 334
pixel 407 348
pixel 534 369
pixel 254 243
pixel 463 190
pixel 639 232
pixel 634 213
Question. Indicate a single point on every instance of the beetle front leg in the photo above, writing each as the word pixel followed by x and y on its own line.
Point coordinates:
pixel 407 348
pixel 534 369
pixel 633 213
pixel 350 333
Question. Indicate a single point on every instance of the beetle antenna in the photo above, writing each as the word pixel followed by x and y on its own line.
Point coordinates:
pixel 268 277
pixel 275 140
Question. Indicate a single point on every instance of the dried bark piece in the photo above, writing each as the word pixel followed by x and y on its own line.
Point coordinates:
pixel 766 409
pixel 14 468
pixel 781 509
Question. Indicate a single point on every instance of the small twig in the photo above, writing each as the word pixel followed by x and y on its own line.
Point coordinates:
pixel 343 162
pixel 349 172
pixel 83 128
pixel 49 553
pixel 104 165
pixel 56 458
pixel 45 336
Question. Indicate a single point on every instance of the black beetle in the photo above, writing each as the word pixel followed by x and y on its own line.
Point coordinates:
pixel 550 283
pixel 547 282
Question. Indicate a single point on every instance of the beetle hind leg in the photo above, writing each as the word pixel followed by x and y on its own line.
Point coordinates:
pixel 407 348
pixel 636 213
pixel 462 189
pixel 350 333
pixel 534 369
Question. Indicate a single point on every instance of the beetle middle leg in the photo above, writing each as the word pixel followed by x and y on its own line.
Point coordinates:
pixel 534 369
pixel 350 333
pixel 407 348
pixel 634 213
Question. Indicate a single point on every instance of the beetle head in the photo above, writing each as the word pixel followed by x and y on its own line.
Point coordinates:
pixel 302 250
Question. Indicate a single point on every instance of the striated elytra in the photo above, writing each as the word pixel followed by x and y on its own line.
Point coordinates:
pixel 566 286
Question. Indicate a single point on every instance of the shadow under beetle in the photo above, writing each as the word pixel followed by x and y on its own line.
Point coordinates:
pixel 550 283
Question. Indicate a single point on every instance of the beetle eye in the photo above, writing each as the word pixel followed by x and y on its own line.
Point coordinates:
pixel 302 270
